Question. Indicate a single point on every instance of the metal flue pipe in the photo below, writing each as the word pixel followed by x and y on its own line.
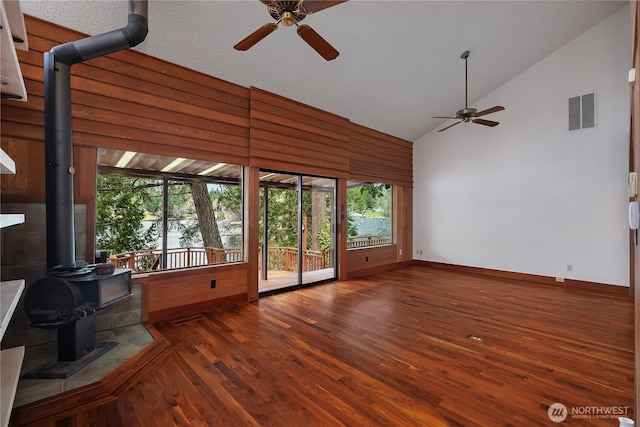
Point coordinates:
pixel 58 138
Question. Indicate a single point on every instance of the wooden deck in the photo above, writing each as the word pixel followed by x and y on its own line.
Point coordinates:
pixel 283 279
pixel 388 350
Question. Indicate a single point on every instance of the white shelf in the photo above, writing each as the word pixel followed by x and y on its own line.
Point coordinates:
pixel 13 35
pixel 7 165
pixel 11 81
pixel 10 366
pixel 16 23
pixel 7 220
pixel 10 292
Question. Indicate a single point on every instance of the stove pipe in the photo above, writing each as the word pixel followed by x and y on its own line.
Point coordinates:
pixel 61 254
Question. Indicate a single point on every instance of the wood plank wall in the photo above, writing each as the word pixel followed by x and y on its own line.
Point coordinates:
pixel 166 296
pixel 290 136
pixel 378 157
pixel 131 101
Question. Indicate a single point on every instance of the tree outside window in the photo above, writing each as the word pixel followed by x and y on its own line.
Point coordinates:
pixel 203 218
pixel 369 207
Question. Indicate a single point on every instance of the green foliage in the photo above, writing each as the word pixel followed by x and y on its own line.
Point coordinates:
pixel 153 201
pixel 325 236
pixel 180 203
pixel 370 200
pixel 282 217
pixel 227 200
pixel 119 214
pixel 124 202
pixel 351 227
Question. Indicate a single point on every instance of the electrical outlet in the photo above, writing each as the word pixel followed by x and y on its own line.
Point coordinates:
pixel 569 267
pixel 366 259
pixel 213 283
pixel 400 252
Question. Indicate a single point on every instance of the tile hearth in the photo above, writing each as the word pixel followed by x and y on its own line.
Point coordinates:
pixel 130 340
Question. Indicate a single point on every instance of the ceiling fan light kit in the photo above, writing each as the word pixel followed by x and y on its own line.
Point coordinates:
pixel 468 114
pixel 289 13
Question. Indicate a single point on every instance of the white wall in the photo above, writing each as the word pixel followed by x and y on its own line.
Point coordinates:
pixel 528 196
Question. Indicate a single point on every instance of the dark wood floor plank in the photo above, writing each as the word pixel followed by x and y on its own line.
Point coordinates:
pixel 393 350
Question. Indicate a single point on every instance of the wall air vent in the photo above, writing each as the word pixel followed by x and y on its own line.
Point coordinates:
pixel 582 112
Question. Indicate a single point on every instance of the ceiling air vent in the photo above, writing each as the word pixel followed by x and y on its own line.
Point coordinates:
pixel 582 112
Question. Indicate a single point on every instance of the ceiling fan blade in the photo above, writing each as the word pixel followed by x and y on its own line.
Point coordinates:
pixel 485 122
pixel 266 2
pixel 312 6
pixel 316 41
pixel 489 111
pixel 450 126
pixel 443 117
pixel 255 37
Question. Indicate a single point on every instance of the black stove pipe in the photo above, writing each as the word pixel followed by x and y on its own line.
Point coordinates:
pixel 61 255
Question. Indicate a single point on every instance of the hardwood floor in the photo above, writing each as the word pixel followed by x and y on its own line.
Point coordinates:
pixel 393 350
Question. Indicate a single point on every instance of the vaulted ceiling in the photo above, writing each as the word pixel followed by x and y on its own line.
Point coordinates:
pixel 399 61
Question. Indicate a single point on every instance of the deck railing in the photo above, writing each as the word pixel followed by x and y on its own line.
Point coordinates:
pixel 286 259
pixel 280 258
pixel 145 261
pixel 364 241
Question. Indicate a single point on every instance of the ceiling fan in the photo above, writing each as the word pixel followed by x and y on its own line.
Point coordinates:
pixel 291 12
pixel 471 114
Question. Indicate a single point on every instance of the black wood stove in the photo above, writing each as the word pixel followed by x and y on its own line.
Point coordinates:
pixel 70 295
pixel 69 303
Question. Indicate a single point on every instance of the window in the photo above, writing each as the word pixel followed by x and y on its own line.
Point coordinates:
pixel 159 213
pixel 369 210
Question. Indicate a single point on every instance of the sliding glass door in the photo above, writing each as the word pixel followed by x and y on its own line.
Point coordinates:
pixel 297 231
pixel 318 225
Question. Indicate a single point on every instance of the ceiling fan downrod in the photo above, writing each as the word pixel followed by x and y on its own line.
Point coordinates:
pixel 467 114
pixel 464 56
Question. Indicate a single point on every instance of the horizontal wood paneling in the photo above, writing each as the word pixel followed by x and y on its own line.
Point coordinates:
pixel 27 185
pixel 132 97
pixel 294 137
pixel 363 260
pixel 183 288
pixel 378 157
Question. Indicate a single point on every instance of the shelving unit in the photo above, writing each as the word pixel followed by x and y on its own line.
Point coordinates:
pixel 13 35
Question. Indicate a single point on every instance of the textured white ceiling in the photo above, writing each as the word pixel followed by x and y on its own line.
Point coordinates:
pixel 399 61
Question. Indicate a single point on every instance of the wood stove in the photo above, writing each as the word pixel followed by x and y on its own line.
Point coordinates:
pixel 72 292
pixel 69 304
